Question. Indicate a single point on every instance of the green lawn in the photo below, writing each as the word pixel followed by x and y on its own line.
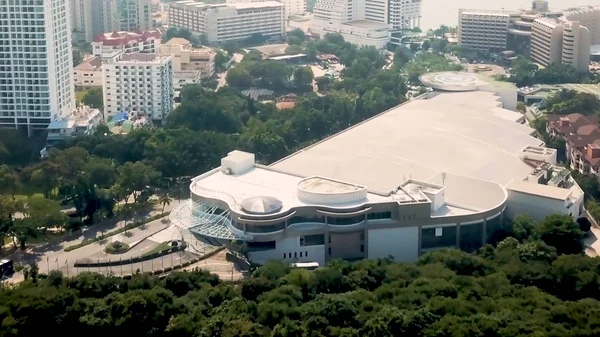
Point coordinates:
pixel 159 248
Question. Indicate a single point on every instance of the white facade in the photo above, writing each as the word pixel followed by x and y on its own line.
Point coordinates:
pixel 401 243
pixel 291 7
pixel 483 29
pixel 229 22
pixel 36 65
pixel 560 41
pixel 365 22
pixel 404 14
pixel 92 17
pixel 135 15
pixel 140 84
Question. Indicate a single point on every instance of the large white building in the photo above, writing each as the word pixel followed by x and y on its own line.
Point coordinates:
pixel 544 35
pixel 560 41
pixel 135 15
pixel 483 29
pixel 139 84
pixel 105 45
pixel 444 170
pixel 229 22
pixel 291 7
pixel 365 22
pixel 36 64
pixel 92 17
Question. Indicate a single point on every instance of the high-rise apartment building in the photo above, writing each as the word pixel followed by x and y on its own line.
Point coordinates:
pixel 36 64
pixel 138 84
pixel 229 22
pixel 135 14
pixel 92 17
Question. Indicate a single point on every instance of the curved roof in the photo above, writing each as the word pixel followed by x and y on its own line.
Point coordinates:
pixel 454 81
pixel 261 205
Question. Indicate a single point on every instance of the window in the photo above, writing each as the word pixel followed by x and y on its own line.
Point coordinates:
pixel 300 254
pixel 439 231
pixel 312 240
pixel 284 255
pixel 305 254
pixel 362 248
pixel 329 250
pixel 295 255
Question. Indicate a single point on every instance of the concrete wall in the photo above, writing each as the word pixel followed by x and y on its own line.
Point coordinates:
pixel 536 207
pixel 401 243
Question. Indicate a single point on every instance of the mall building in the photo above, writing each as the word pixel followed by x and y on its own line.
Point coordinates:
pixel 445 170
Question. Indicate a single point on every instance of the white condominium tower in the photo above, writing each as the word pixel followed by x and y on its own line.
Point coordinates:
pixel 138 83
pixel 135 14
pixel 36 65
pixel 92 17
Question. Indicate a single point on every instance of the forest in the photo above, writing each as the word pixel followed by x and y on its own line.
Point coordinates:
pixel 532 283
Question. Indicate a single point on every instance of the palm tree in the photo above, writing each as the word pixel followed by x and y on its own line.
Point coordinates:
pixel 164 200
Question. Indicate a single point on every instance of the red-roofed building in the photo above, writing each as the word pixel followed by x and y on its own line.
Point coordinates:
pixel 128 42
pixel 582 138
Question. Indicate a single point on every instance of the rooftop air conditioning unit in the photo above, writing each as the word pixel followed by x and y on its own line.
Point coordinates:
pixel 227 171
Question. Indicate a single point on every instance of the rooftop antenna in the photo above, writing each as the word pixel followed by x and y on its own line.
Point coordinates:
pixel 443 178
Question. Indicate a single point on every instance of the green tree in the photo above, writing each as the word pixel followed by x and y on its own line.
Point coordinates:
pixel 523 227
pixel 93 97
pixel 8 180
pixel 303 77
pixel 562 233
pixel 136 178
pixel 239 77
pixel 164 200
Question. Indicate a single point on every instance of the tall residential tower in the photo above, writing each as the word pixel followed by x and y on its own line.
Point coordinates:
pixel 135 15
pixel 92 17
pixel 36 64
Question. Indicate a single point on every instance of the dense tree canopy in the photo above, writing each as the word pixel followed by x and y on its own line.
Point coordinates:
pixel 518 288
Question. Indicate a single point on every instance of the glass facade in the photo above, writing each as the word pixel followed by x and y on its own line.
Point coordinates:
pixel 312 240
pixel 346 221
pixel 301 219
pixel 438 237
pixel 250 228
pixel 470 236
pixel 379 215
pixel 492 227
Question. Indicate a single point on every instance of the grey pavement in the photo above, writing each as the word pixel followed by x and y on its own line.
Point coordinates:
pixel 52 256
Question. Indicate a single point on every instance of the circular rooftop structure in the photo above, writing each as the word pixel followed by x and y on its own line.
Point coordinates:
pixel 319 190
pixel 455 81
pixel 261 205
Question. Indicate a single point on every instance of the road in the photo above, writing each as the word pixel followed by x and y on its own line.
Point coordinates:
pixel 52 256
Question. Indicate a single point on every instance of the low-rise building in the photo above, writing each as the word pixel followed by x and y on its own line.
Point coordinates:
pixel 459 167
pixel 88 73
pixel 82 121
pixel 363 33
pixel 188 58
pixel 127 42
pixel 582 139
pixel 139 84
pixel 229 22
